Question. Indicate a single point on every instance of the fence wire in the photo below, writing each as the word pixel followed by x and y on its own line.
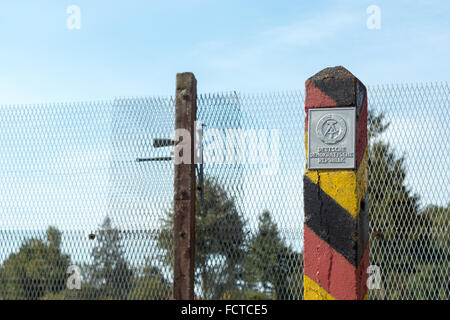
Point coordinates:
pixel 83 216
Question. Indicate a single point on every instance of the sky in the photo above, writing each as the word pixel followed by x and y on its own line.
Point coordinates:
pixel 135 48
pixel 60 175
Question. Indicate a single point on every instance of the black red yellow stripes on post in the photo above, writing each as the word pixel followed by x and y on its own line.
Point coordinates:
pixel 336 235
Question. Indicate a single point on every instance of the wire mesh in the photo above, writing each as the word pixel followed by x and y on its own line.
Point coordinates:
pixel 82 217
pixel 409 190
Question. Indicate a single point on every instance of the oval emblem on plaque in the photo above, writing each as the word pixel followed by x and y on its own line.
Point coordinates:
pixel 331 129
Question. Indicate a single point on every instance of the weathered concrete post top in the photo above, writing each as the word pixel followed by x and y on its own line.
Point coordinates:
pixel 336 246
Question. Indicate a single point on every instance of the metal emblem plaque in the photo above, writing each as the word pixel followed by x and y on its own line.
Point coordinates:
pixel 331 138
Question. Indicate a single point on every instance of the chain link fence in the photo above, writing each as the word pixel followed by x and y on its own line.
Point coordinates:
pixel 82 217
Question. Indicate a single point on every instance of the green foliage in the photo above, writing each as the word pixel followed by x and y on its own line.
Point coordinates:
pixel 109 275
pixel 150 284
pixel 439 218
pixel 235 294
pixel 429 282
pixel 63 295
pixel 230 264
pixel 87 292
pixel 219 236
pixel 394 210
pixel 376 125
pixel 270 263
pixel 39 268
pixel 394 213
pixel 403 234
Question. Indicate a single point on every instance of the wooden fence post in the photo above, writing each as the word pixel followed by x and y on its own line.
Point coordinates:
pixel 184 187
pixel 336 245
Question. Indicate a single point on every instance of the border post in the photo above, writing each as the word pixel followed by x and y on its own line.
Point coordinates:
pixel 184 190
pixel 336 236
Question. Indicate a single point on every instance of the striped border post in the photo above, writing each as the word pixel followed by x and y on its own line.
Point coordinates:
pixel 336 236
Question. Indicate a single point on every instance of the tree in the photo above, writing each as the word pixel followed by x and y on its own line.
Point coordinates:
pixel 245 295
pixel 39 268
pixel 402 233
pixel 219 241
pixel 439 218
pixel 109 275
pixel 149 284
pixel 270 262
pixel 431 280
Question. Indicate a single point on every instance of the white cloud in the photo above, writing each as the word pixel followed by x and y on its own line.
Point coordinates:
pixel 268 55
pixel 310 31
